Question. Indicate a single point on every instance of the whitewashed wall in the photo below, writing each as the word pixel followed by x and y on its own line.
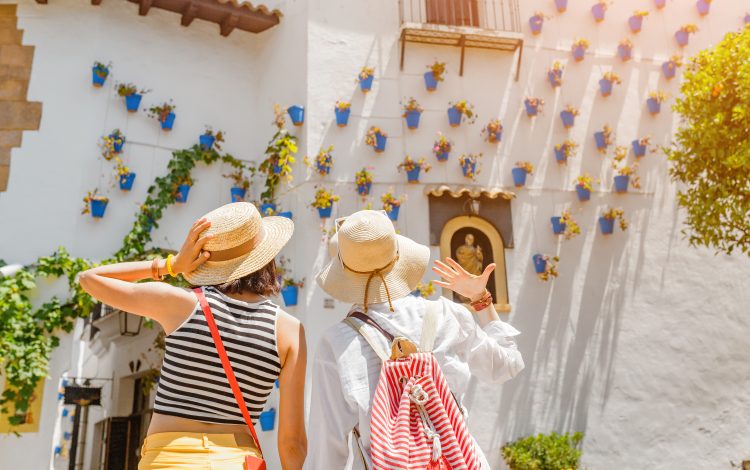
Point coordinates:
pixel 639 343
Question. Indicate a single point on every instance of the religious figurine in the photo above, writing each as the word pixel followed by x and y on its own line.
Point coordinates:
pixel 470 257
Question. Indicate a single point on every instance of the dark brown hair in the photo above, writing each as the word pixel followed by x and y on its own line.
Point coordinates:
pixel 262 282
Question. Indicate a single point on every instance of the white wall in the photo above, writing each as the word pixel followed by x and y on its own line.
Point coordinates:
pixel 638 343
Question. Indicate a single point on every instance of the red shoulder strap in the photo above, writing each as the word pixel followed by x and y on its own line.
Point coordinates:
pixel 226 364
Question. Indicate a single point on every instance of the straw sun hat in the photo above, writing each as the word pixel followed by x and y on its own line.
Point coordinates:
pixel 372 264
pixel 243 243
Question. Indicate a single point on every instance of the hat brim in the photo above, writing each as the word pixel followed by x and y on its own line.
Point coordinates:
pixel 347 286
pixel 278 231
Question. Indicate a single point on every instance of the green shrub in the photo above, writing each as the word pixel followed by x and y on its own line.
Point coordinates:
pixel 544 452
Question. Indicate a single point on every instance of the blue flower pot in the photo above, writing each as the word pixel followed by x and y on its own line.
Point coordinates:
pixel 560 154
pixel 238 194
pixel 277 169
pixel 703 7
pixel 682 38
pixel 555 78
pixel 285 214
pixel 364 189
pixel 598 11
pixel 669 69
pixel 168 122
pixel 207 141
pixel 654 106
pixel 579 52
pixel 660 3
pixel 325 213
pixel 495 137
pixel 561 5
pixel 416 293
pixel 182 193
pixel 636 23
pixel 98 206
pixel 393 214
pixel 535 23
pixel 117 145
pixel 638 149
pixel 342 116
pixel 297 113
pixel 290 294
pixel 430 82
pixel 540 264
pixel 98 80
pixel 412 119
pixel 126 181
pixel 583 193
pixel 519 176
pixel 606 225
pixel 469 167
pixel 267 208
pixel 442 156
pixel 558 227
pixel 132 102
pixel 568 118
pixel 454 116
pixel 605 87
pixel 412 176
pixel 324 169
pixel 601 140
pixel 380 141
pixel 268 419
pixel 531 110
pixel 365 84
pixel 625 52
pixel 621 183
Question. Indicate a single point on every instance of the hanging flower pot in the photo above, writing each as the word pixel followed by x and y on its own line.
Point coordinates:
pixel 126 181
pixel 601 140
pixel 164 113
pixel 469 163
pixel 540 263
pixel 682 37
pixel 207 141
pixel 392 205
pixel 364 189
pixel 568 117
pixel 412 119
pixel 621 183
pixel 366 77
pixel 430 82
pixel 625 50
pixel 669 69
pixel 182 193
pixel 238 194
pixel 703 7
pixel 520 172
pixel 168 122
pixel 607 225
pixel 133 101
pixel 454 116
pixel 442 156
pixel 554 76
pixel 290 295
pixel 579 49
pixel 99 74
pixel 393 214
pixel 268 419
pixel 635 23
pixel 533 106
pixel 285 214
pixel 342 110
pixel 413 168
pixel 561 5
pixel 493 131
pixel 469 168
pixel 434 75
pixel 297 114
pixel 323 202
pixel 640 147
pixel 268 208
pixel 653 103
pixel 442 147
pixel 118 141
pixel 598 11
pixel 325 212
pixel 558 227
pixel 412 176
pixel 460 110
pixel 98 206
pixel 376 139
pixel 583 193
pixel 605 87
pixel 560 155
pixel 536 22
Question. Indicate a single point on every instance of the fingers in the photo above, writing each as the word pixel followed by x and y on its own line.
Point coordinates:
pixel 202 258
pixel 198 227
pixel 202 242
pixel 445 267
pixel 454 264
pixel 488 270
pixel 442 284
pixel 444 274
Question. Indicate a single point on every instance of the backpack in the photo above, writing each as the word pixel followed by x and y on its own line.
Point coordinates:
pixel 416 423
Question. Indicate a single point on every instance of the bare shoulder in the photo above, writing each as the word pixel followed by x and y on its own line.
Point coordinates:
pixel 290 335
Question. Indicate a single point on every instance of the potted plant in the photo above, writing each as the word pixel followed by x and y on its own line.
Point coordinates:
pixel 554 74
pixel 164 113
pixel 442 147
pixel 584 186
pixel 607 81
pixel 363 178
pixel 536 22
pixel 268 419
pixel 640 146
pixel 533 106
pixel 565 150
pixel 469 164
pixel 99 73
pixel 240 184
pixel 703 7
pixel 289 286
pixel 682 36
pixel 434 75
pixel 625 176
pixel 424 290
pixel 636 20
pixel 561 5
pixel 112 144
pixel 365 79
pixel 669 68
pixel 545 266
pixel 125 177
pixel 598 10
pixel 182 189
pixel 412 112
pixel 392 204
pixel 268 208
pixel 323 161
pixel 655 99
pixel 376 139
pixel 460 110
pixel 209 138
pixel 625 50
pixel 131 94
pixel 607 221
pixel 413 168
pixel 343 109
pixel 568 116
pixel 579 49
pixel 493 131
pixel 297 114
pixel 603 138
pixel 520 172
pixel 565 225
pixel 544 451
pixel 95 204
pixel 324 199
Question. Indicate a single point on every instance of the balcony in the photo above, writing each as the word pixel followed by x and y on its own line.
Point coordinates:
pixel 480 24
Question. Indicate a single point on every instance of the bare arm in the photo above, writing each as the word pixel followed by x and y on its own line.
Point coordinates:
pixel 472 287
pixel 115 284
pixel 292 439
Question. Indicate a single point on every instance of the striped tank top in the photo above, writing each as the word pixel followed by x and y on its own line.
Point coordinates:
pixel 193 384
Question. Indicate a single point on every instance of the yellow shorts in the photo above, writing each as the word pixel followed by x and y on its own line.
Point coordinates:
pixel 196 451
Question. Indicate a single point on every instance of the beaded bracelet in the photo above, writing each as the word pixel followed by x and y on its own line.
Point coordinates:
pixel 483 302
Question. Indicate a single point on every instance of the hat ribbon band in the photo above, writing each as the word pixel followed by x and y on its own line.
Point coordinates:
pixel 371 274
pixel 239 250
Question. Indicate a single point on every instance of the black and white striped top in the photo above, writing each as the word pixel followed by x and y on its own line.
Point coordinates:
pixel 193 384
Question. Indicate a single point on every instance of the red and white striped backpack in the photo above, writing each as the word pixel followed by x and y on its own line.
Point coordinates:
pixel 416 423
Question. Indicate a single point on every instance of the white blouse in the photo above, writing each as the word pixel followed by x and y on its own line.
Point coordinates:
pixel 346 369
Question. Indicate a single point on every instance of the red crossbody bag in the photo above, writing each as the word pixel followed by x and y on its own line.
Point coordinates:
pixel 251 462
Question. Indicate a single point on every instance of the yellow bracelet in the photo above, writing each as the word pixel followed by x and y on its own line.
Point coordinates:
pixel 169 266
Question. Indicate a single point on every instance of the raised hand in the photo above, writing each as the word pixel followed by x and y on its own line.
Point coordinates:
pixel 191 255
pixel 460 281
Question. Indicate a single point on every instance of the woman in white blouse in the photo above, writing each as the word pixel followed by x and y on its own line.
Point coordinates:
pixel 375 269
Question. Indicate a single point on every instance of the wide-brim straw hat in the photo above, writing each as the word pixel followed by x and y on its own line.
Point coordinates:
pixel 370 258
pixel 243 243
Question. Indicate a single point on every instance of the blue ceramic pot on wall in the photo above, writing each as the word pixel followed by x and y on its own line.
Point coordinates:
pixel 297 114
pixel 558 227
pixel 430 82
pixel 365 84
pixel 540 264
pixel 519 177
pixel 393 214
pixel 96 79
pixel 454 116
pixel 342 116
pixel 621 183
pixel 168 122
pixel 636 23
pixel 207 141
pixel 126 181
pixel 98 206
pixel 268 419
pixel 583 193
pixel 182 193
pixel 267 208
pixel 325 213
pixel 238 194
pixel 380 141
pixel 364 189
pixel 133 101
pixel 638 149
pixel 412 176
pixel 290 295
pixel 606 225
pixel 412 119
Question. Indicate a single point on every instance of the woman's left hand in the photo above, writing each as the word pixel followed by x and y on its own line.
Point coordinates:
pixel 460 280
pixel 191 255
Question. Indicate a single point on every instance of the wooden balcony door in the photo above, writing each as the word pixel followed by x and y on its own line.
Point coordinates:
pixel 453 12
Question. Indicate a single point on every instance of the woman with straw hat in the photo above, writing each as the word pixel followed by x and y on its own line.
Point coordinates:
pixel 375 269
pixel 226 344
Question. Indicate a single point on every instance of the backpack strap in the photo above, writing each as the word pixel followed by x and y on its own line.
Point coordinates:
pixel 430 325
pixel 357 326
